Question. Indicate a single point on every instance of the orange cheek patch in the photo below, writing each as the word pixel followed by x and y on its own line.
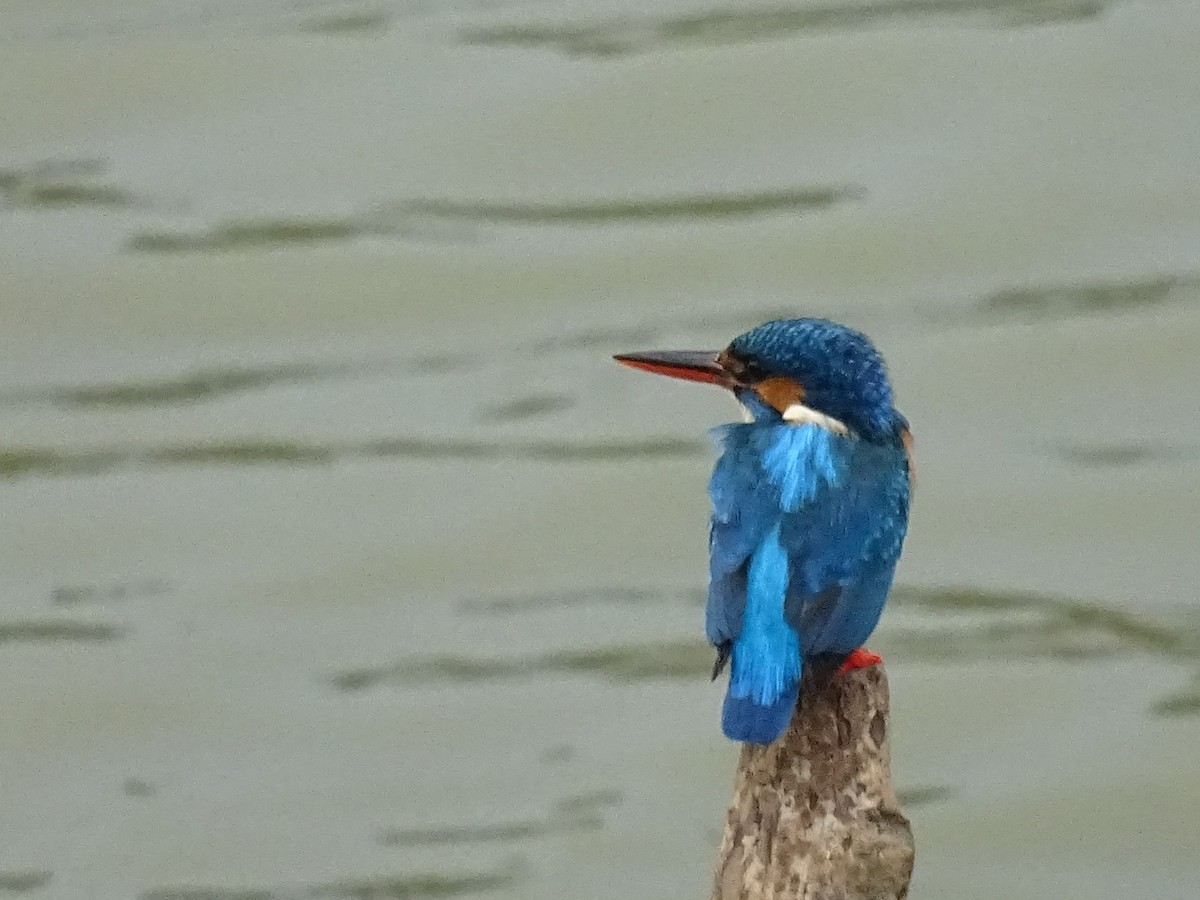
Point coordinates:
pixel 780 393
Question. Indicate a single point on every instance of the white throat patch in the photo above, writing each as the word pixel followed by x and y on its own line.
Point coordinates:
pixel 800 414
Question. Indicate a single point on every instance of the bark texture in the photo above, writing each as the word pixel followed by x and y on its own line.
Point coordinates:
pixel 814 815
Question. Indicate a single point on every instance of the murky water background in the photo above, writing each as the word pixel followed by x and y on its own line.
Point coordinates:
pixel 340 562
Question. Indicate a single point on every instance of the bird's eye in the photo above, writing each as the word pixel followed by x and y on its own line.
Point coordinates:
pixel 752 370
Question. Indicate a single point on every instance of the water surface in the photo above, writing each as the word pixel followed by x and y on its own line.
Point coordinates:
pixel 338 559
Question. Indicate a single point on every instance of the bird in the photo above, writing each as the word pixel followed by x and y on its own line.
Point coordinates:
pixel 810 501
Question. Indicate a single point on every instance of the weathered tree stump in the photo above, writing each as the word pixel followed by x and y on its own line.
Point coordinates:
pixel 814 815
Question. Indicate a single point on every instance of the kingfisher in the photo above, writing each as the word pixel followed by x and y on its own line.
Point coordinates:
pixel 810 499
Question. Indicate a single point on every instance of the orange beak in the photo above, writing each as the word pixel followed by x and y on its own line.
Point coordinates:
pixel 690 365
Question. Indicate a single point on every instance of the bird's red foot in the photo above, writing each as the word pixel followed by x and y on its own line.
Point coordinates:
pixel 860 659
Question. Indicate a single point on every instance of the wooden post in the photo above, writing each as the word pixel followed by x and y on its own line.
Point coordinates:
pixel 814 815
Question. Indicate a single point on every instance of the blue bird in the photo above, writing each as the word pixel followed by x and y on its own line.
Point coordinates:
pixel 809 509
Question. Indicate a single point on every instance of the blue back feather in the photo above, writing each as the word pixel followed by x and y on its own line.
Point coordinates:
pixel 806 529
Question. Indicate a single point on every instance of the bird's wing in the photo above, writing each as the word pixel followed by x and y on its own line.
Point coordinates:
pixel 840 506
pixel 842 548
pixel 745 508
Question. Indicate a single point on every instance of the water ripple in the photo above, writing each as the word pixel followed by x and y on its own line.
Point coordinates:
pixel 448 219
pixel 59 184
pixel 46 631
pixel 621 36
pixel 667 659
pixel 23 881
pixel 190 387
pixel 100 595
pixel 1083 297
pixel 399 887
pixel 643 209
pixel 583 812
pixel 532 406
pixel 263 233
pixel 1185 703
pixel 1121 455
pixel 24 462
pixel 924 796
pixel 349 22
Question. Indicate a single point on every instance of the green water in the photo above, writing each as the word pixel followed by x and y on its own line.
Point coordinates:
pixel 340 562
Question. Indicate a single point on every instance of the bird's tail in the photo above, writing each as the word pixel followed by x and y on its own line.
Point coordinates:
pixel 753 723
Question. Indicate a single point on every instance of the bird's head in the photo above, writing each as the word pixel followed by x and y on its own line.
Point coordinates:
pixel 797 370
